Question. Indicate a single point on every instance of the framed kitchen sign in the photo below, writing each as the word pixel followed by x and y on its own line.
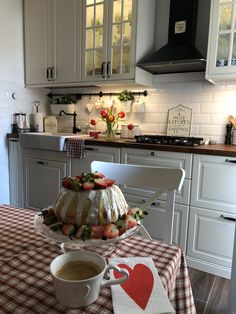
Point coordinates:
pixel 179 121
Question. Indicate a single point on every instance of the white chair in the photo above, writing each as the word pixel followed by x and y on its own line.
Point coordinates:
pixel 161 179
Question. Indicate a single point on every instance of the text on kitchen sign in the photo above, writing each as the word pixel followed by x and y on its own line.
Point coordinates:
pixel 179 121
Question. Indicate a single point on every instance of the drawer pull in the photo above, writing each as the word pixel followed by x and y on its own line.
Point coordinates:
pixel 154 203
pixel 228 218
pixel 152 153
pixel 42 162
pixel 91 148
pixel 231 160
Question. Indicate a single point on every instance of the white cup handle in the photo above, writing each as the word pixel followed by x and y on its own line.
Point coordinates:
pixel 109 282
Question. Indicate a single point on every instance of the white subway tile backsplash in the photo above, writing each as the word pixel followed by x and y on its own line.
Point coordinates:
pixel 201 119
pixel 201 97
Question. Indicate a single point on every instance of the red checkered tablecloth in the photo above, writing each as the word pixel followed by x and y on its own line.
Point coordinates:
pixel 25 256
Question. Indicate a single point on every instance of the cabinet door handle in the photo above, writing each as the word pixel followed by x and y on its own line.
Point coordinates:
pixel 228 218
pixel 231 160
pixel 102 69
pixel 52 74
pixel 154 203
pixel 108 68
pixel 48 74
pixel 42 163
pixel 91 148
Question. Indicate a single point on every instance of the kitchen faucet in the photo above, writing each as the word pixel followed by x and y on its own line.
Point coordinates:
pixel 75 129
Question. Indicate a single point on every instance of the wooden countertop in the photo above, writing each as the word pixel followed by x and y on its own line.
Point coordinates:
pixel 216 149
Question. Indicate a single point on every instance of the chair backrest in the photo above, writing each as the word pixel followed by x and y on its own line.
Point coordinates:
pixel 160 179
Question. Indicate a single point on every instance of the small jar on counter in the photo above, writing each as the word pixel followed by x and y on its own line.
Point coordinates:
pixel 234 137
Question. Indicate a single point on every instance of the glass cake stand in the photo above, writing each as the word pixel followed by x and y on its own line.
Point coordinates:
pixel 102 247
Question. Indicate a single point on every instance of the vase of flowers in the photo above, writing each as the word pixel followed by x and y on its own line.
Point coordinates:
pixel 111 119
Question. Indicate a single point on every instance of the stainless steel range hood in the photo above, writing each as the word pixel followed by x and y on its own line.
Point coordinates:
pixel 179 54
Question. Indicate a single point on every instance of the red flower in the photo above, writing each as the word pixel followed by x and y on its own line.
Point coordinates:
pixel 121 114
pixel 93 122
pixel 103 114
pixel 111 118
pixel 130 126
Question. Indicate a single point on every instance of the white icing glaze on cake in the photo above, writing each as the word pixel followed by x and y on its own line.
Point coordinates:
pixel 93 207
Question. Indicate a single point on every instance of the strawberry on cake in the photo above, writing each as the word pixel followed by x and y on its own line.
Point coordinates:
pixel 91 206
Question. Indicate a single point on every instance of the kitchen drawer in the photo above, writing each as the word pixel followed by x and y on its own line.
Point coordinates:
pixel 99 153
pixel 214 183
pixel 181 197
pixel 210 237
pixel 157 159
pixel 154 221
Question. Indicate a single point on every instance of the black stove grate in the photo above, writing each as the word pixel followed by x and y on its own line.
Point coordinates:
pixel 169 140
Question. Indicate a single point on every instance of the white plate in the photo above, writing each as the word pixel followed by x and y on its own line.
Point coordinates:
pixel 57 236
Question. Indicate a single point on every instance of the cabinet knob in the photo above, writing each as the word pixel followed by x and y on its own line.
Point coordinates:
pixel 152 153
pixel 154 203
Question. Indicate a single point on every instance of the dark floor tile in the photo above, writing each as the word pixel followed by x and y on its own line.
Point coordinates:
pixel 200 306
pixel 201 283
pixel 218 301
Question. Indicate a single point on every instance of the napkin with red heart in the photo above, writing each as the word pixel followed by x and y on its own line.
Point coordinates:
pixel 142 292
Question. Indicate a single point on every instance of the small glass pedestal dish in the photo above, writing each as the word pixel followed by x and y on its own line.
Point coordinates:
pixel 99 246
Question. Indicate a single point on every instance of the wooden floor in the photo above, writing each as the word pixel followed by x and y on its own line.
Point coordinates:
pixel 210 293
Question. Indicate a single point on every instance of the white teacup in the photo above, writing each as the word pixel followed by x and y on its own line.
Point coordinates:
pixel 81 292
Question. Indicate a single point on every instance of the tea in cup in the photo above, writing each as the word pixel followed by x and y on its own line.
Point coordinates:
pixel 78 277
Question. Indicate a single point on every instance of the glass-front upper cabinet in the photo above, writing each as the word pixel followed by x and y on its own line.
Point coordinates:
pixel 108 39
pixel 221 59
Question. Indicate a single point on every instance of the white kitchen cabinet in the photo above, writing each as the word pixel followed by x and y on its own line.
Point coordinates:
pixel 210 241
pixel 115 37
pixel 15 172
pixel 214 183
pixel 43 174
pixel 213 206
pixel 52 42
pixel 155 220
pixel 221 58
pixel 99 153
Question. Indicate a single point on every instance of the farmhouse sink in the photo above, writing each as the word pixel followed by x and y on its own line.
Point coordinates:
pixel 47 141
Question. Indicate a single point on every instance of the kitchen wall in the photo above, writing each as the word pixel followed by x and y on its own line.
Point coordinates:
pixel 12 81
pixel 210 106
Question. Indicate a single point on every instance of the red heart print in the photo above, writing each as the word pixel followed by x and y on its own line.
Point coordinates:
pixel 139 284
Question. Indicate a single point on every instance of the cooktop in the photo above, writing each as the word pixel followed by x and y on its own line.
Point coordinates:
pixel 169 140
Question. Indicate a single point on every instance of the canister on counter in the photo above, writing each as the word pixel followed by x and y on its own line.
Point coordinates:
pixel 124 131
pixel 133 131
pixel 50 124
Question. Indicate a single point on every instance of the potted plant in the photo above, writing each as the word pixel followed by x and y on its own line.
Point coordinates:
pixel 67 99
pixel 66 103
pixel 126 97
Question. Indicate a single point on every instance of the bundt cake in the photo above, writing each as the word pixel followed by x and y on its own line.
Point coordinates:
pixel 91 206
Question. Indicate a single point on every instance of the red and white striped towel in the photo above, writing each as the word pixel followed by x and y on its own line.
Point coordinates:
pixel 75 148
